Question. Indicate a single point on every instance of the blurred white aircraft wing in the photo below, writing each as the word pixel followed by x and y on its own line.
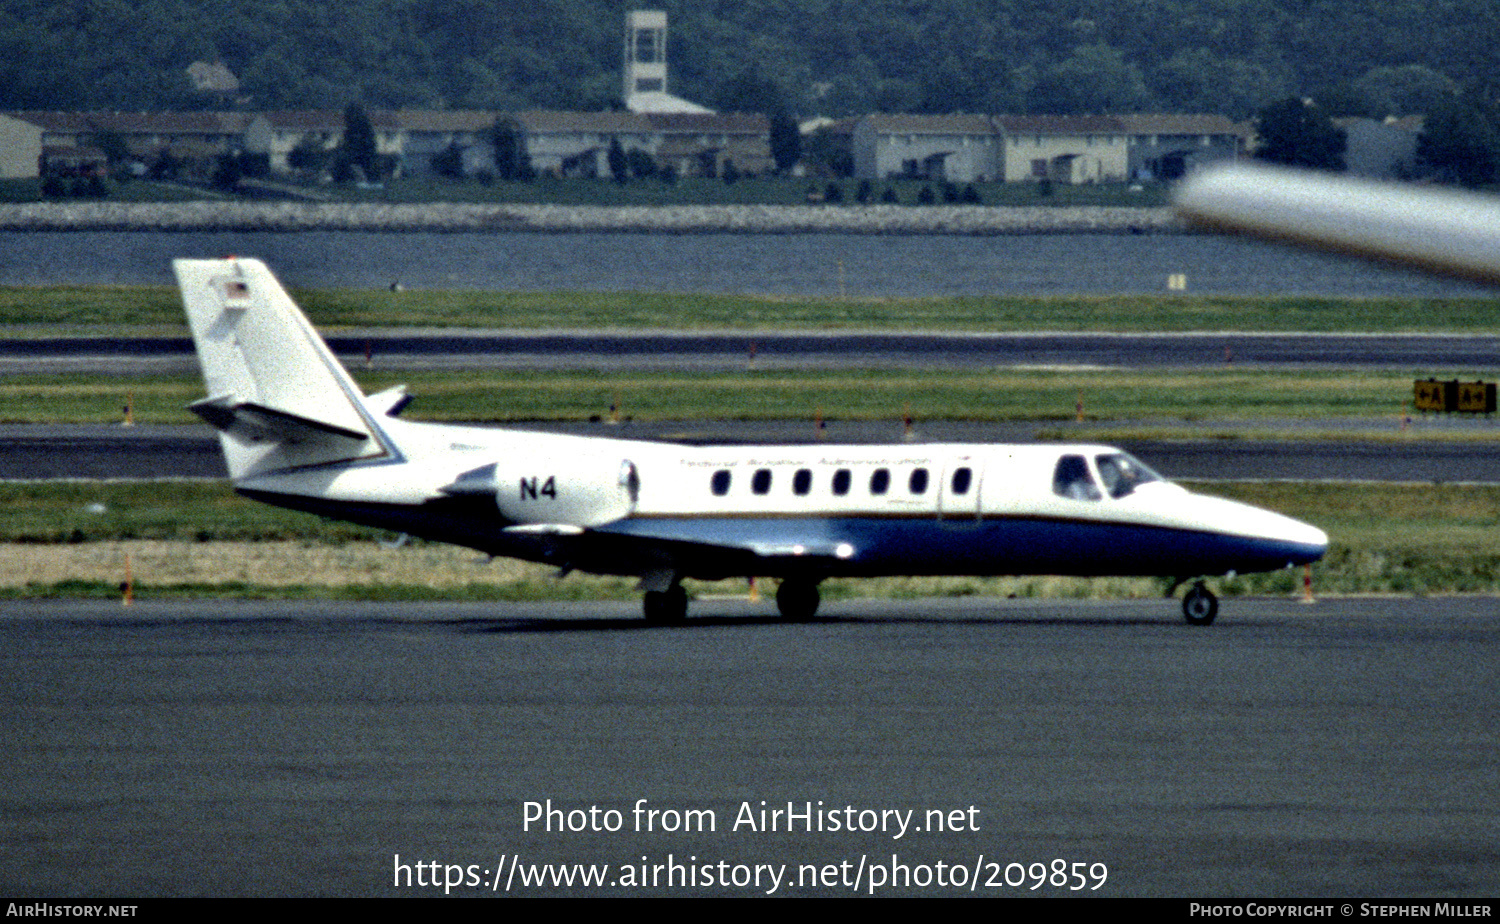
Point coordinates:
pixel 1442 230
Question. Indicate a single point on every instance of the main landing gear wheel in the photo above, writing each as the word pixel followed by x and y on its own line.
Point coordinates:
pixel 797 600
pixel 666 606
pixel 1199 605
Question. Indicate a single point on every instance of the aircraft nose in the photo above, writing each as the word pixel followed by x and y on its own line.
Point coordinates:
pixel 1279 540
pixel 1282 536
pixel 1310 542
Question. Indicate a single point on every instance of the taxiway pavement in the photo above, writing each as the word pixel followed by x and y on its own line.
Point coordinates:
pixel 716 350
pixel 1420 455
pixel 1344 749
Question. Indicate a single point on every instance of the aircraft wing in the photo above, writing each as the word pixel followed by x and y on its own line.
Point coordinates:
pixel 736 542
pixel 1446 231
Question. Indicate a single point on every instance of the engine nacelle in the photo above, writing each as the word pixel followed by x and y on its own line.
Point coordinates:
pixel 580 491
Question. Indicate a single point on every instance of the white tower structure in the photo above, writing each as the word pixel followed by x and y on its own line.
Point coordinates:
pixel 646 65
pixel 645 52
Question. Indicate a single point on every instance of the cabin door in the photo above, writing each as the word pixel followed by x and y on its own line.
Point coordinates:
pixel 959 492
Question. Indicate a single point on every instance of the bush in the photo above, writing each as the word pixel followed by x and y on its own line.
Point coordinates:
pixel 90 187
pixel 642 165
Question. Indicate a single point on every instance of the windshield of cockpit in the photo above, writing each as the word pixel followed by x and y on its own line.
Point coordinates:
pixel 1121 473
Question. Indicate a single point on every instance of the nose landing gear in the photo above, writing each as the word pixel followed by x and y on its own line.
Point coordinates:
pixel 1199 605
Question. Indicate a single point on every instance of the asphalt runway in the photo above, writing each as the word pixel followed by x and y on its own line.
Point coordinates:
pixel 1343 749
pixel 149 452
pixel 618 350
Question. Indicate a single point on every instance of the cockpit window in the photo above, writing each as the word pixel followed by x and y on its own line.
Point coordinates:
pixel 1071 479
pixel 1123 473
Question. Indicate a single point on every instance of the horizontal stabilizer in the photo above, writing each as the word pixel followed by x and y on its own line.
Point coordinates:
pixel 255 423
pixel 390 402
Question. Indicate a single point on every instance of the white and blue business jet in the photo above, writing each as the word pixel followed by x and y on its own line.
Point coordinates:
pixel 297 432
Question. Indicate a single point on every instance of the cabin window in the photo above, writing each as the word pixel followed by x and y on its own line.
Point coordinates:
pixel 880 481
pixel 918 481
pixel 1071 479
pixel 760 482
pixel 720 482
pixel 802 482
pixel 962 479
pixel 1122 473
pixel 841 481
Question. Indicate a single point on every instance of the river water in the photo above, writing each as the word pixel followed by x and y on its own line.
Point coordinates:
pixel 768 264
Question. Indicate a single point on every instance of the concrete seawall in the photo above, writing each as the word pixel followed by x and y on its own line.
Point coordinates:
pixel 457 217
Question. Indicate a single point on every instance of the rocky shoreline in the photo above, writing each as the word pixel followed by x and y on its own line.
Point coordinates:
pixel 461 217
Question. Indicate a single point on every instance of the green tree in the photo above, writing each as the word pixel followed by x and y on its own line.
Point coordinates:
pixel 512 159
pixel 227 172
pixel 1094 79
pixel 619 163
pixel 786 141
pixel 829 153
pixel 112 143
pixel 450 162
pixel 358 149
pixel 1407 90
pixel 1201 80
pixel 1299 134
pixel 749 91
pixel 642 165
pixel 1460 144
pixel 308 156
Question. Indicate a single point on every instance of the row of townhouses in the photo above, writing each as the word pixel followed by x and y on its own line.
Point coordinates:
pixel 955 148
pixel 1030 148
pixel 566 143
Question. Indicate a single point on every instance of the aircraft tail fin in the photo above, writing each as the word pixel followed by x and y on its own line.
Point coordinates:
pixel 277 395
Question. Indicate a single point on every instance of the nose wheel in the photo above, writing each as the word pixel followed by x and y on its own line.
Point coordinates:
pixel 1199 605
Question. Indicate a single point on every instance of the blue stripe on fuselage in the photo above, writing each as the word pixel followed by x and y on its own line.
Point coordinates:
pixel 991 546
pixel 714 546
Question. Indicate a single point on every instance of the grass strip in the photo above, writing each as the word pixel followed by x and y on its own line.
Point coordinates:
pixel 122 310
pixel 198 539
pixel 764 394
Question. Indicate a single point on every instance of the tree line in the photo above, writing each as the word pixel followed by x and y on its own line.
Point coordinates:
pixel 801 57
pixel 829 57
